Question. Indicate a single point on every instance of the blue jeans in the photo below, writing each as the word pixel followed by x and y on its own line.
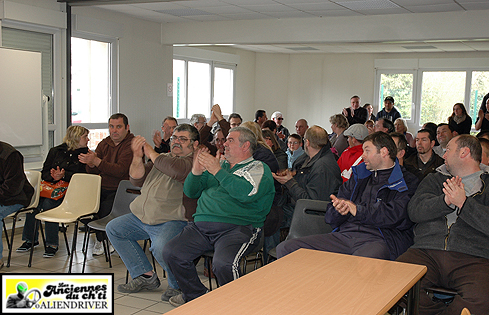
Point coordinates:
pixel 5 211
pixel 126 230
pixel 52 228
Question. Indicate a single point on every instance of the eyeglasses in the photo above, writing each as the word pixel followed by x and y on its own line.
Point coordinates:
pixel 294 143
pixel 280 118
pixel 180 139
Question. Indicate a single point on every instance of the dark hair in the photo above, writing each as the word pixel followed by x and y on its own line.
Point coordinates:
pixel 170 118
pixel 295 136
pixel 192 131
pixel 386 123
pixel 482 133
pixel 235 115
pixel 259 113
pixel 401 141
pixel 270 124
pixel 464 111
pixel 367 105
pixel 472 143
pixel 484 144
pixel 431 126
pixel 317 136
pixel 120 115
pixel 382 140
pixel 430 133
pixel 246 134
pixel 269 134
pixel 445 124
pixel 354 96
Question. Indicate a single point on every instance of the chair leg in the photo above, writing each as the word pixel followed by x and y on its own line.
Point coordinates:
pixel 43 237
pixel 107 250
pixel 66 239
pixel 6 233
pixel 73 246
pixel 208 265
pixel 36 224
pixel 11 242
pixel 85 247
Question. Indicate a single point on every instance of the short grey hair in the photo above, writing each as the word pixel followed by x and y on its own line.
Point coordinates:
pixel 192 131
pixel 195 118
pixel 246 134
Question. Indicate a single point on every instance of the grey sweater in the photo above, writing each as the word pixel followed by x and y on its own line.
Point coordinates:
pixel 443 227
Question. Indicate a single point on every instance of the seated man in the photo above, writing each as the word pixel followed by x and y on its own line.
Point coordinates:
pixel 235 196
pixel 384 125
pixel 444 134
pixel 162 144
pixel 352 156
pixel 369 215
pixel 158 213
pixel 315 174
pixel 425 161
pixel 450 210
pixel 15 190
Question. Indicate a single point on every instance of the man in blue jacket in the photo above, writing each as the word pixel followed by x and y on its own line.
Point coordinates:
pixel 369 215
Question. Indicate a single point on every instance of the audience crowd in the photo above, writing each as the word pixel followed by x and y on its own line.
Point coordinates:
pixel 228 186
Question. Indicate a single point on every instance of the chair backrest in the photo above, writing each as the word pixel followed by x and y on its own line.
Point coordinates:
pixel 126 193
pixel 308 219
pixel 83 194
pixel 34 178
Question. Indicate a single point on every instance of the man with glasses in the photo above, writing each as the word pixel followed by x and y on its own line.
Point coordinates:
pixel 159 213
pixel 162 144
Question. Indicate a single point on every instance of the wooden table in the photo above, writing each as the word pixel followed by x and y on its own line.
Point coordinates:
pixel 314 282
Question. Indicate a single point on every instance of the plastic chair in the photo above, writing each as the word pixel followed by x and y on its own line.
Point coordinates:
pixel 34 178
pixel 82 200
pixel 126 193
pixel 308 219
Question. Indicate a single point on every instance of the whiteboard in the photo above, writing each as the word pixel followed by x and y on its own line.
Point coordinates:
pixel 20 97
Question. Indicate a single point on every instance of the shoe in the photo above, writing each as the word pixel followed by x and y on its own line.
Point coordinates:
pixel 177 300
pixel 139 283
pixel 98 249
pixel 169 293
pixel 50 251
pixel 26 247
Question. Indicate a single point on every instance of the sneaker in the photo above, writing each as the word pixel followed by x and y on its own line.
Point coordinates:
pixel 26 247
pixel 177 300
pixel 139 283
pixel 98 249
pixel 50 251
pixel 169 293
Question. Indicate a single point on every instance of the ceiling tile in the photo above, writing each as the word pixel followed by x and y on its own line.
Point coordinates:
pixel 290 14
pixel 434 8
pixel 158 6
pixel 421 2
pixel 333 13
pixel 225 9
pixel 268 8
pixel 317 6
pixel 476 5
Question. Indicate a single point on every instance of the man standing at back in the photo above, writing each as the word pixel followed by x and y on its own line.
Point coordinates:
pixel 260 117
pixel 111 160
pixel 235 195
pixel 301 126
pixel 369 215
pixel 450 210
pixel 355 113
pixel 389 111
pixel 282 131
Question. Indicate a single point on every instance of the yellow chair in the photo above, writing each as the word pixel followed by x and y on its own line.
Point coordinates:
pixel 34 178
pixel 82 200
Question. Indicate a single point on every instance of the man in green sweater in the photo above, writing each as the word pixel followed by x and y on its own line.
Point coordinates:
pixel 235 196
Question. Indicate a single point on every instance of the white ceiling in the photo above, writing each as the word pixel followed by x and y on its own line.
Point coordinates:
pixel 191 11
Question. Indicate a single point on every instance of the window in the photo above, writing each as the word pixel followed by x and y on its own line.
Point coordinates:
pixel 92 85
pixel 433 87
pixel 400 87
pixel 199 84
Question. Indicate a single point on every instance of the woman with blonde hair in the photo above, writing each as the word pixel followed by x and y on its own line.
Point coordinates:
pixel 263 152
pixel 61 163
pixel 400 126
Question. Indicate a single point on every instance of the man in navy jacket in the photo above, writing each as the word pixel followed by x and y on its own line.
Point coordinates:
pixel 369 215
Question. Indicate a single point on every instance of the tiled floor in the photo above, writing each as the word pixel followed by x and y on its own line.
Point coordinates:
pixel 142 303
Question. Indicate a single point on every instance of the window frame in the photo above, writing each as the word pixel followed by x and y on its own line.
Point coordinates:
pixel 419 66
pixel 213 64
pixel 113 76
